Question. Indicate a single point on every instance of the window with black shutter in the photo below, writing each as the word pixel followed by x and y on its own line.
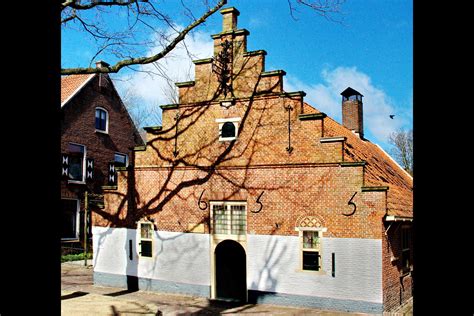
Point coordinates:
pixel 311 250
pixel 146 239
pixel 76 156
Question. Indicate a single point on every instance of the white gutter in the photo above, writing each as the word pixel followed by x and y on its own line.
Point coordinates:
pixel 77 90
pixel 394 161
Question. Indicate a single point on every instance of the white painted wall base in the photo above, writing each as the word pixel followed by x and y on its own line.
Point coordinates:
pixel 273 263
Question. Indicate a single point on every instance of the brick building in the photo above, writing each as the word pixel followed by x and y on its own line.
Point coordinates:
pixel 246 192
pixel 96 129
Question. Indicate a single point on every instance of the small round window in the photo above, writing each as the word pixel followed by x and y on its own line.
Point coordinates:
pixel 228 130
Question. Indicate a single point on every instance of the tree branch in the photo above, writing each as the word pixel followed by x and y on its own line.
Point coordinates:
pixel 76 5
pixel 146 60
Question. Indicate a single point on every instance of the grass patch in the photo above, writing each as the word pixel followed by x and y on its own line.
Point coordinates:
pixel 75 257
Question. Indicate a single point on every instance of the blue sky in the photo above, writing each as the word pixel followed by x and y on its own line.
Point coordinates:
pixel 371 51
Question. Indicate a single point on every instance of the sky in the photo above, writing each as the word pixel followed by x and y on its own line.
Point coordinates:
pixel 371 50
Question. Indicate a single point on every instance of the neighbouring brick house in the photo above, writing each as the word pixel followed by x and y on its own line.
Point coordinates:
pixel 96 130
pixel 246 192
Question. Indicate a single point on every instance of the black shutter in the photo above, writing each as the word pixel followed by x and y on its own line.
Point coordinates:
pixel 112 174
pixel 146 248
pixel 89 169
pixel 64 166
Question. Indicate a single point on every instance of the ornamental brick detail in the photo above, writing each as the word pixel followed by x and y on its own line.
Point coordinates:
pixel 310 221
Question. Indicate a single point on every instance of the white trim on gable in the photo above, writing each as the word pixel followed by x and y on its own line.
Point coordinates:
pixel 77 90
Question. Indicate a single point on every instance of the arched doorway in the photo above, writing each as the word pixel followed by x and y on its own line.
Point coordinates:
pixel 231 271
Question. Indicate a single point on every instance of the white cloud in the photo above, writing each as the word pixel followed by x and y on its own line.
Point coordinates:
pixel 155 90
pixel 377 104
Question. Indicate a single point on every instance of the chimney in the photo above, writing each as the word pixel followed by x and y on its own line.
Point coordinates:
pixel 352 111
pixel 102 82
pixel 229 19
pixel 101 64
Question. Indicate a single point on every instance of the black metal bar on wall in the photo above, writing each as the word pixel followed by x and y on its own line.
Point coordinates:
pixel 333 270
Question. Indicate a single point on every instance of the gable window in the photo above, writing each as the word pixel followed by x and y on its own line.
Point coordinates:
pixel 146 239
pixel 406 236
pixel 70 219
pixel 229 218
pixel 77 160
pixel 121 160
pixel 101 120
pixel 228 128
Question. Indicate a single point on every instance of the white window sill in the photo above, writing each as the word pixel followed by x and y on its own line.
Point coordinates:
pixel 76 182
pixel 226 139
pixel 102 132
pixel 145 257
pixel 242 237
pixel 70 239
pixel 320 272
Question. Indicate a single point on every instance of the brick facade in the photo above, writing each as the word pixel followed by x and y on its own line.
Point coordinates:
pixel 78 126
pixel 397 286
pixel 303 163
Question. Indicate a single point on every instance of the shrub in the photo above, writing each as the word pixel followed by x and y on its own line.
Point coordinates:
pixel 75 257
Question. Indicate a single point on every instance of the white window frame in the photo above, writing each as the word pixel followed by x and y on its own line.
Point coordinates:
pixel 83 181
pixel 320 231
pixel 106 120
pixel 140 239
pixel 227 205
pixel 126 157
pixel 233 120
pixel 78 218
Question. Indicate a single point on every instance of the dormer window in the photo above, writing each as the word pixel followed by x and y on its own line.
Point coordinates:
pixel 101 120
pixel 228 128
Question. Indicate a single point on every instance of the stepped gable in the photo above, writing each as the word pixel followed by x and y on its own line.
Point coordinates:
pixel 380 169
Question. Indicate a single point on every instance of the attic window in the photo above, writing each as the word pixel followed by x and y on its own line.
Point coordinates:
pixel 228 128
pixel 101 120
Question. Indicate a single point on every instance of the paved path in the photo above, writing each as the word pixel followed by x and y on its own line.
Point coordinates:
pixel 80 297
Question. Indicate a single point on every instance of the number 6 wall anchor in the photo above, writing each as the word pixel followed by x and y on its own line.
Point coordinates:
pixel 200 202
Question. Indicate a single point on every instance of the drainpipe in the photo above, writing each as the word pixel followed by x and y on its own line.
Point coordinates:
pixel 86 205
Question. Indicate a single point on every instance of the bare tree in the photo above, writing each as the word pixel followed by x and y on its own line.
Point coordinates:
pixel 139 27
pixel 402 141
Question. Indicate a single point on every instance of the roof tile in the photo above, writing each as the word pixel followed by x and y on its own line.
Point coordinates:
pixel 70 84
pixel 380 169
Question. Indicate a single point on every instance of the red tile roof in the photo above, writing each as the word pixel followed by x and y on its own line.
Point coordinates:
pixel 72 84
pixel 380 168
